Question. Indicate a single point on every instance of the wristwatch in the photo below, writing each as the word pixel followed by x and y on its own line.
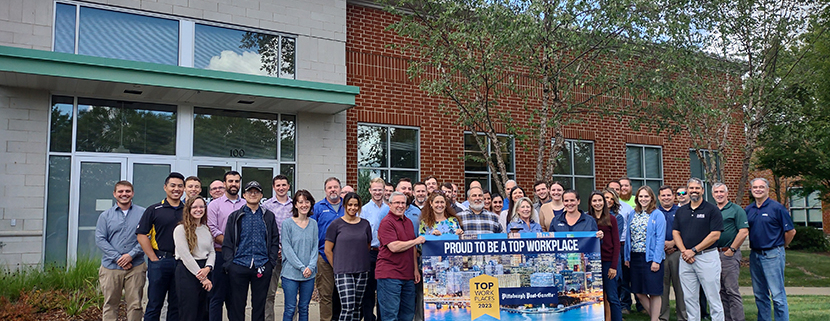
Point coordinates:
pixel 734 250
pixel 694 250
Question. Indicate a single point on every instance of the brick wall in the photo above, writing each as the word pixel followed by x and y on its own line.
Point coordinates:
pixel 23 132
pixel 388 97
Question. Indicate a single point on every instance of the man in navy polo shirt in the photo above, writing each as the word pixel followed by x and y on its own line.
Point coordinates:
pixel 671 277
pixel 696 228
pixel 770 230
pixel 325 212
pixel 155 234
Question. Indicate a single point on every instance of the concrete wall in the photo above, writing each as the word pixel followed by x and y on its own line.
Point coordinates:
pixel 321 151
pixel 320 26
pixel 24 126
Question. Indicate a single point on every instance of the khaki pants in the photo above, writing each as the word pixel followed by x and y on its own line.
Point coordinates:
pixel 131 282
pixel 272 293
pixel 325 288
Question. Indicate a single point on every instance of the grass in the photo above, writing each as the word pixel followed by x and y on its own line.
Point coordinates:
pixel 802 308
pixel 12 282
pixel 804 269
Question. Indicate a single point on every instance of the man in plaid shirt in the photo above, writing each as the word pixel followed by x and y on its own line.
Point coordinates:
pixel 475 219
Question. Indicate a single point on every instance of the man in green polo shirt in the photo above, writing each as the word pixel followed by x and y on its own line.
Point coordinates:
pixel 735 231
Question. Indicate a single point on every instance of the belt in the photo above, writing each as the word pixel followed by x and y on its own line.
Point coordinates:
pixel 162 254
pixel 765 249
pixel 373 248
pixel 707 250
pixel 217 249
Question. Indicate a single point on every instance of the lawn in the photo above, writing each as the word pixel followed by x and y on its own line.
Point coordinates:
pixel 805 269
pixel 802 308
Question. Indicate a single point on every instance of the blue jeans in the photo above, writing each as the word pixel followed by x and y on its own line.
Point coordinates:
pixel 291 289
pixel 609 286
pixel 397 299
pixel 767 271
pixel 161 281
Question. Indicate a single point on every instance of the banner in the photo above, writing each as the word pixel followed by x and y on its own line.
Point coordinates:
pixel 528 276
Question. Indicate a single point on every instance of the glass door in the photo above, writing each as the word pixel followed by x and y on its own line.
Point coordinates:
pixel 148 181
pixel 262 172
pixel 94 181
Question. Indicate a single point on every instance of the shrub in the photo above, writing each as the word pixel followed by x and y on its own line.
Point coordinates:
pixel 810 239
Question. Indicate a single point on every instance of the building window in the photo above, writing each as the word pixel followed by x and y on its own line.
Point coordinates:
pixel 156 38
pixel 475 165
pixel 125 127
pixel 247 52
pixel 242 134
pixel 697 170
pixel 805 211
pixel 575 169
pixel 644 166
pixel 388 152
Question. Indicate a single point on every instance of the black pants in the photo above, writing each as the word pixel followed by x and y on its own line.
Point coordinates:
pixel 368 304
pixel 193 301
pixel 239 277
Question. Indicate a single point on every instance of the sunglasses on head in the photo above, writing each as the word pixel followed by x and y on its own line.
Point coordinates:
pixel 681 193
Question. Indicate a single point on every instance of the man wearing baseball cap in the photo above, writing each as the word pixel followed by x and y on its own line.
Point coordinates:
pixel 250 248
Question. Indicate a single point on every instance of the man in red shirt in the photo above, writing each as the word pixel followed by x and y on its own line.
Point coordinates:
pixel 396 270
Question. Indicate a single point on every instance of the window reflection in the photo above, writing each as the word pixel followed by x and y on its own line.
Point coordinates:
pixel 120 35
pixel 60 133
pixel 248 52
pixel 241 134
pixel 126 127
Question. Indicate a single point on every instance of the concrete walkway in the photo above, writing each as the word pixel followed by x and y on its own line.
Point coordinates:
pixel 747 290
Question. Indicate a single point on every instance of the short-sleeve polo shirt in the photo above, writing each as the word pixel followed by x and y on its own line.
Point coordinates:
pixel 392 265
pixel 161 219
pixel 695 224
pixel 767 224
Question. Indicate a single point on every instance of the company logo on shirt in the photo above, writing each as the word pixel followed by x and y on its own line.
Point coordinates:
pixel 701 215
pixel 765 214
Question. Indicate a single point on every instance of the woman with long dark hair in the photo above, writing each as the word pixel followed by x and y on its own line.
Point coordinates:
pixel 438 218
pixel 553 208
pixel 299 256
pixel 496 203
pixel 194 260
pixel 348 240
pixel 610 254
pixel 644 251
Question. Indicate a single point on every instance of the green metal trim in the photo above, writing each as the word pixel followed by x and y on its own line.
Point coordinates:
pixel 57 64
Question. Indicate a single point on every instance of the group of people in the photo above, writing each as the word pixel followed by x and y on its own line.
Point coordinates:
pixel 203 255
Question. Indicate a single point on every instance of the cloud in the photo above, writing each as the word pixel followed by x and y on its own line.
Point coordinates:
pixel 247 63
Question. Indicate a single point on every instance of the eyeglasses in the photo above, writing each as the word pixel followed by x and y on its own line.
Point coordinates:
pixel 681 193
pixel 217 188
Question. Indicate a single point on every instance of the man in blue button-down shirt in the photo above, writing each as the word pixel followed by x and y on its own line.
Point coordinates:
pixel 373 211
pixel 122 264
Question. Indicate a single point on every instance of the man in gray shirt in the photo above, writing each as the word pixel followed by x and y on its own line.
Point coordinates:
pixel 122 263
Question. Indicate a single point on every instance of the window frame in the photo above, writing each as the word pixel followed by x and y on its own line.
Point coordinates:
pixel 490 176
pixel 186 31
pixel 707 185
pixel 572 176
pixel 388 169
pixel 643 179
pixel 816 208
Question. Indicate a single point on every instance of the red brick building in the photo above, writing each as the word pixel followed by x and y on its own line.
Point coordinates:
pixel 390 103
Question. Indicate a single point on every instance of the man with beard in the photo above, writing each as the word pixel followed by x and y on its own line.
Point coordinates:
pixel 374 211
pixel 540 188
pixel 155 234
pixel 420 191
pixel 770 231
pixel 217 219
pixel 625 281
pixel 735 231
pixel 475 219
pixel 466 204
pixel 447 189
pixel 625 192
pixel 671 275
pixel 696 228
pixel 325 212
pixel 432 184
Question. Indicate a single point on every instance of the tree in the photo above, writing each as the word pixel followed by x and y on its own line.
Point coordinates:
pixel 560 59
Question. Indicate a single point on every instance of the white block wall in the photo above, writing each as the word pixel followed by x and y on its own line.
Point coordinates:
pixel 24 123
pixel 320 26
pixel 321 151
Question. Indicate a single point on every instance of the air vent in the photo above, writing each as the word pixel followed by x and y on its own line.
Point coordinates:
pixel 133 92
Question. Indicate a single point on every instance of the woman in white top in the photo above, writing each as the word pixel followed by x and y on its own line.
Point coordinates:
pixel 194 260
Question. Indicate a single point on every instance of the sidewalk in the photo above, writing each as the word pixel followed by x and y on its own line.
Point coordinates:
pixel 796 290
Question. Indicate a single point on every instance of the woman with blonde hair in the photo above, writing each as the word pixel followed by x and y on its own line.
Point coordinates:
pixel 525 217
pixel 644 251
pixel 194 260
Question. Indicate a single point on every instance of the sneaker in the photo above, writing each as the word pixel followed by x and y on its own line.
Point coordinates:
pixel 626 311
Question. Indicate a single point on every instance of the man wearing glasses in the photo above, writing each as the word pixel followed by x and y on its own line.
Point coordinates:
pixel 682 196
pixel 217 189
